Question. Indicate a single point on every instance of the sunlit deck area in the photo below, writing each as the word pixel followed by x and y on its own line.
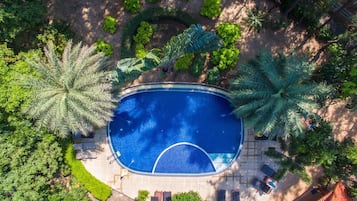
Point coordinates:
pixel 237 177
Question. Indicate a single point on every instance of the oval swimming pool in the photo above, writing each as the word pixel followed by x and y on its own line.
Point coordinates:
pixel 175 129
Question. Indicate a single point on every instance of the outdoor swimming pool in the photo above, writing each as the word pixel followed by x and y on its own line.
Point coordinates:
pixel 175 129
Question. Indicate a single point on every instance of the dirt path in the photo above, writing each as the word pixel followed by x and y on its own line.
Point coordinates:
pixel 85 17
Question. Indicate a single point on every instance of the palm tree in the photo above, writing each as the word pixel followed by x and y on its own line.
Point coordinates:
pixel 273 94
pixel 73 93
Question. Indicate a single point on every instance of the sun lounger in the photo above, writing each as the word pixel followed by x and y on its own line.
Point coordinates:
pixel 221 195
pixel 235 195
pixel 166 195
pixel 86 154
pixel 88 145
pixel 154 198
pixel 159 195
pixel 261 186
pixel 268 170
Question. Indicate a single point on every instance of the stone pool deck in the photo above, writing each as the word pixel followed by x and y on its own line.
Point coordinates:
pixel 238 176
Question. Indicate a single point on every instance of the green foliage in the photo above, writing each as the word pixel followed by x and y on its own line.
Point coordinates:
pixel 192 40
pixel 225 58
pixel 97 188
pixel 211 8
pixel 308 12
pixel 184 62
pixel 103 46
pixel 14 97
pixel 129 69
pixel 143 195
pixel 151 14
pixel 198 64
pixel 75 193
pixel 140 51
pixel 132 6
pixel 273 94
pixel 110 24
pixel 20 20
pixel 152 1
pixel 187 196
pixel 213 76
pixel 254 19
pixel 144 33
pixel 73 93
pixel 229 32
pixel 30 160
pixel 58 33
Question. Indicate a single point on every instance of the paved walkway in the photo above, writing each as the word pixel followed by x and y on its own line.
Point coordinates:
pixel 238 176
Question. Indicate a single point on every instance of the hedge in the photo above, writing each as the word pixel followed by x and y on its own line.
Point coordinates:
pixel 97 188
pixel 149 15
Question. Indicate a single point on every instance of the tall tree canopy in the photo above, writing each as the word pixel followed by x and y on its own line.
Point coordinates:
pixel 273 94
pixel 72 93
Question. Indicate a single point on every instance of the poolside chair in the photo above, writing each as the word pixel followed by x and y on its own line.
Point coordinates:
pixel 88 145
pixel 235 195
pixel 221 195
pixel 261 186
pixel 268 170
pixel 166 195
pixel 159 195
pixel 154 198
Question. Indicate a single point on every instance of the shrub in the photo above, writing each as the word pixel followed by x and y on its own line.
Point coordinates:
pixel 229 32
pixel 97 188
pixel 191 196
pixel 143 195
pixel 132 6
pixel 183 62
pixel 225 58
pixel 140 51
pixel 144 33
pixel 213 76
pixel 58 33
pixel 151 14
pixel 211 8
pixel 255 19
pixel 198 64
pixel 103 46
pixel 110 24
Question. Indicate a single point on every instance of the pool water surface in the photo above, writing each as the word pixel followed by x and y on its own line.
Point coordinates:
pixel 183 131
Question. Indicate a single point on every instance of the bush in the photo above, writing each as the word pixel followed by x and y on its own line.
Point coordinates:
pixel 132 6
pixel 97 188
pixel 143 195
pixel 140 51
pixel 229 32
pixel 213 76
pixel 144 33
pixel 110 24
pixel 58 33
pixel 103 46
pixel 225 58
pixel 255 19
pixel 183 62
pixel 151 14
pixel 211 8
pixel 189 196
pixel 198 64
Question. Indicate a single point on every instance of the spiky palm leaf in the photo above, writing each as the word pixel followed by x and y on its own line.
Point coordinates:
pixel 73 93
pixel 272 93
pixel 192 40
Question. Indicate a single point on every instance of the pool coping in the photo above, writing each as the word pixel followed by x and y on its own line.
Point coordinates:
pixel 201 87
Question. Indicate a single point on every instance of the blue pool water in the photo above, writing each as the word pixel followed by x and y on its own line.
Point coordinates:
pixel 171 131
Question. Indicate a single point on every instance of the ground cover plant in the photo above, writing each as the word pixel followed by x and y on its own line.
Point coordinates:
pixel 110 24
